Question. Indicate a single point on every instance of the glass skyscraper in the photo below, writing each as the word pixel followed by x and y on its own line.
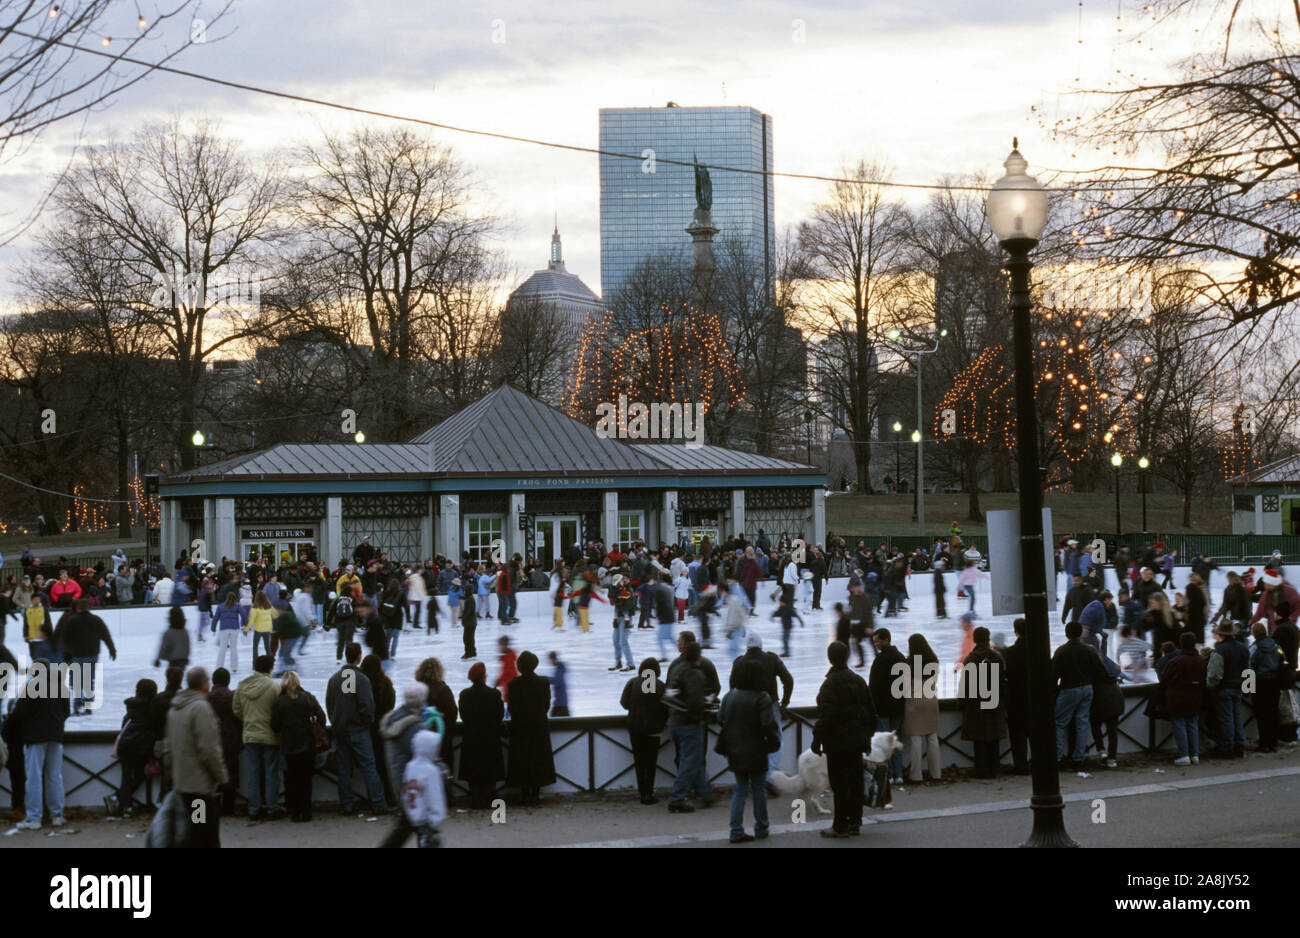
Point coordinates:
pixel 645 213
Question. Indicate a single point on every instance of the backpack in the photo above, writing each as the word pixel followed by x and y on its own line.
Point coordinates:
pixel 343 608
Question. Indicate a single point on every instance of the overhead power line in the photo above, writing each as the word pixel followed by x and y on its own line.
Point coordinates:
pixel 514 138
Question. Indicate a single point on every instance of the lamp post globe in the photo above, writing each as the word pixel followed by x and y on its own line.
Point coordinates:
pixel 198 438
pixel 359 437
pixel 1143 463
pixel 1116 460
pixel 898 427
pixel 916 436
pixel 1017 205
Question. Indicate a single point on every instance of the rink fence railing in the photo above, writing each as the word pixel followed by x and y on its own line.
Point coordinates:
pixel 593 755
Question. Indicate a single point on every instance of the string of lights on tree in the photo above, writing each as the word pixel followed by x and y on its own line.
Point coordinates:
pixel 684 358
pixel 87 513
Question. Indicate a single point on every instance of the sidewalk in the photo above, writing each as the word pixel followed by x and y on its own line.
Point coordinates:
pixel 950 813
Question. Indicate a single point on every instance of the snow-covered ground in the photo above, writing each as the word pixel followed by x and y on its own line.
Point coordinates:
pixel 593 690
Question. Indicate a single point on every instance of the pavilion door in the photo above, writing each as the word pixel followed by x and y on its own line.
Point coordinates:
pixel 555 535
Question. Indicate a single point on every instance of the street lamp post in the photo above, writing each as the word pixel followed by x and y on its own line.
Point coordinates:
pixel 1117 460
pixel 1017 213
pixel 198 439
pixel 916 480
pixel 1144 464
pixel 898 459
pixel 919 513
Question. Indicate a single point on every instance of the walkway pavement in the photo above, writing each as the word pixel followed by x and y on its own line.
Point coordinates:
pixel 1144 803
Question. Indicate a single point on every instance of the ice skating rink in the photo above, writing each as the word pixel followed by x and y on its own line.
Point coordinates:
pixel 593 690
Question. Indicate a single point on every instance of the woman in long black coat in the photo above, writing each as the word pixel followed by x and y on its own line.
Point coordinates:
pixel 430 673
pixel 481 762
pixel 531 764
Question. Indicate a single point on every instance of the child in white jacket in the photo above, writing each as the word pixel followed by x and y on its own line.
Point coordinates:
pixel 424 795
pixel 681 592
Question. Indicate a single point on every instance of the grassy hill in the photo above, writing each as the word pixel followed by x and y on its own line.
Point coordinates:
pixel 892 514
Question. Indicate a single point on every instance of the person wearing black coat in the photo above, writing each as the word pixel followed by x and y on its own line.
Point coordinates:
pixel 888 707
pixel 135 745
pixel 41 720
pixel 1017 672
pixel 430 673
pixel 940 592
pixel 292 716
pixel 532 765
pixel 481 713
pixel 843 732
pixel 748 729
pixel 647 714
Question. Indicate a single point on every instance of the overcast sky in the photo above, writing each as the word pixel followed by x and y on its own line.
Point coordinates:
pixel 931 86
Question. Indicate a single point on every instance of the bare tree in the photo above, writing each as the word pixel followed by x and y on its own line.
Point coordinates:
pixel 851 242
pixel 534 345
pixel 188 219
pixel 400 269
pixel 54 63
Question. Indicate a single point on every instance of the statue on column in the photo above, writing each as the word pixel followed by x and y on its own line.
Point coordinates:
pixel 703 186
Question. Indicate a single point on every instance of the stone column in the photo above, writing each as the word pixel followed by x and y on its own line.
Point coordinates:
pixel 513 537
pixel 819 517
pixel 173 533
pixel 609 520
pixel 331 532
pixel 737 513
pixel 668 517
pixel 702 231
pixel 222 540
pixel 426 533
pixel 449 527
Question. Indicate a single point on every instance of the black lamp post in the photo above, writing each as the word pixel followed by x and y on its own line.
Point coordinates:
pixel 898 457
pixel 1117 460
pixel 1143 465
pixel 1017 212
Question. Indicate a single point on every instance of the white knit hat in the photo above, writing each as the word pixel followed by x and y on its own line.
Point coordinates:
pixel 1272 578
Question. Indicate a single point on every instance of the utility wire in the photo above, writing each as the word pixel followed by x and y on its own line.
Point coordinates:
pixel 369 112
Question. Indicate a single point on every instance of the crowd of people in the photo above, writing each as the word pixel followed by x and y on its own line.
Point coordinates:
pixel 191 734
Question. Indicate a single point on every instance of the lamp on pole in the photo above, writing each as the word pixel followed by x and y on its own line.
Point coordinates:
pixel 916 480
pixel 198 439
pixel 1017 213
pixel 1117 460
pixel 894 335
pixel 898 459
pixel 1143 464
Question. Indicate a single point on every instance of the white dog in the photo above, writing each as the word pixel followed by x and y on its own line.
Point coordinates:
pixel 813 777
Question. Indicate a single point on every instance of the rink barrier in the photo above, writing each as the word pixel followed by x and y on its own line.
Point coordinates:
pixel 1226 548
pixel 593 755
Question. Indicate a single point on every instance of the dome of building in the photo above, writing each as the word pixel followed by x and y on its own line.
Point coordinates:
pixel 558 289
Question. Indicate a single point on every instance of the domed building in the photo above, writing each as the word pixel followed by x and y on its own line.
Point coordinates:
pixel 554 288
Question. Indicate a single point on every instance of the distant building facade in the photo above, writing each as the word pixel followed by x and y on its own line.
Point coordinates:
pixel 555 289
pixel 646 204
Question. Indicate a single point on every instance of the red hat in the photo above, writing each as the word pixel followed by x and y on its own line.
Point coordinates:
pixel 1272 578
pixel 1160 545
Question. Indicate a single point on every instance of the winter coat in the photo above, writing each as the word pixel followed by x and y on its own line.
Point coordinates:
pixel 481 713
pixel 423 785
pixel 920 709
pixel 137 737
pixel 846 717
pixel 222 700
pixel 531 762
pixel 254 698
pixel 41 718
pixel 350 712
pixel 175 646
pixel 193 745
pixel 980 722
pixel 746 717
pixel 883 670
pixel 1107 698
pixel 397 729
pixel 441 697
pixel 291 719
pixel 1183 679
pixel 79 634
pixel 647 714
